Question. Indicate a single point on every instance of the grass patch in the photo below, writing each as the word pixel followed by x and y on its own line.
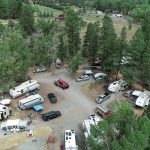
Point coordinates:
pixel 55 12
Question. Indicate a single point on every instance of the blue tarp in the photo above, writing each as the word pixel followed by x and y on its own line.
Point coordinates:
pixel 38 107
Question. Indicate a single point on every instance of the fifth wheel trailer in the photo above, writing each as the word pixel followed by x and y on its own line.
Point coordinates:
pixel 24 88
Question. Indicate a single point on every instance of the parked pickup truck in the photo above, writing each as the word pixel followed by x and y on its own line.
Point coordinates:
pixel 103 97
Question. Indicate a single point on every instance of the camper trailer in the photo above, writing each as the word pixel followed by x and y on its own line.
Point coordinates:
pixel 70 140
pixel 16 125
pixel 31 101
pixel 143 100
pixel 117 86
pixel 24 88
pixel 5 112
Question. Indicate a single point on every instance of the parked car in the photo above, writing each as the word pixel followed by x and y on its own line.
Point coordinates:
pixel 88 72
pixel 61 83
pixel 83 78
pixel 39 69
pixel 103 97
pixel 128 93
pixel 99 76
pixel 52 98
pixel 51 115
pixel 103 111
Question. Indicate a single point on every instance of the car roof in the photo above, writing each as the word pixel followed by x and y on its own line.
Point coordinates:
pixel 51 94
pixel 62 81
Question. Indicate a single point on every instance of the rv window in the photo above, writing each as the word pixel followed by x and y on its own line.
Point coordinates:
pixel 4 113
pixel 69 133
pixel 4 107
pixel 66 138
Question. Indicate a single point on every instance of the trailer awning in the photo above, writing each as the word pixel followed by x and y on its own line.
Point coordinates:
pixel 38 108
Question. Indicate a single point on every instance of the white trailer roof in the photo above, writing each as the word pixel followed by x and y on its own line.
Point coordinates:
pixel 70 140
pixel 94 119
pixel 22 86
pixel 115 86
pixel 136 93
pixel 143 99
pixel 29 98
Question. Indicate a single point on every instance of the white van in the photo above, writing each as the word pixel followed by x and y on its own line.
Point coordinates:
pixel 24 88
pixel 31 101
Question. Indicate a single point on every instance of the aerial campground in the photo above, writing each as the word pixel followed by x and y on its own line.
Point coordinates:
pixel 75 74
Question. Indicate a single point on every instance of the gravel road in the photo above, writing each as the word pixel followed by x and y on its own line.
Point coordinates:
pixel 72 103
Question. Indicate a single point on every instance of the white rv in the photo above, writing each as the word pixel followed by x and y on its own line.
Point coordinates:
pixel 14 125
pixel 143 100
pixel 117 86
pixel 24 88
pixel 5 112
pixel 87 124
pixel 70 140
pixel 31 101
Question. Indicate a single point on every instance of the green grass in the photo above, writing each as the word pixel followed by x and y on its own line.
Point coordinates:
pixel 48 9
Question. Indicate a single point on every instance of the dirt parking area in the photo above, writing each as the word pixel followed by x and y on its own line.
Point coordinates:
pixel 75 105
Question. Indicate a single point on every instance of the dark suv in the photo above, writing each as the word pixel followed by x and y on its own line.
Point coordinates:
pixel 52 98
pixel 51 115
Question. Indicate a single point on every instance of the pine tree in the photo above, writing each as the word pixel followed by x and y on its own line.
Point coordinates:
pixel 107 45
pixel 27 19
pixel 72 31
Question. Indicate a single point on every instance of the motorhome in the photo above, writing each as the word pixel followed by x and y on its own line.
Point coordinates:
pixel 88 123
pixel 14 125
pixel 143 100
pixel 24 88
pixel 117 86
pixel 5 112
pixel 70 140
pixel 31 101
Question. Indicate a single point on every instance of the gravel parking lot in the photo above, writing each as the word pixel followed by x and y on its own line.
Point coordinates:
pixel 75 105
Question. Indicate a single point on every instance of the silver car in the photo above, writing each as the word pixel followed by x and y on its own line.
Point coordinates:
pixel 39 69
pixel 102 97
pixel 82 78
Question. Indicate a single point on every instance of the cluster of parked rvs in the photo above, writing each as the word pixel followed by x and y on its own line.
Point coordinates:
pixel 26 103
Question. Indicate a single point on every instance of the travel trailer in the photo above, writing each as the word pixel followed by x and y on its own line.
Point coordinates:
pixel 5 112
pixel 31 101
pixel 70 140
pixel 143 100
pixel 24 88
pixel 117 86
pixel 16 125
